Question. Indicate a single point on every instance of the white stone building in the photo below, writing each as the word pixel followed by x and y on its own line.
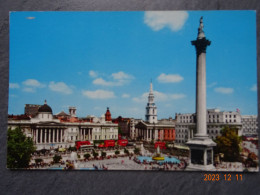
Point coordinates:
pixel 249 125
pixel 48 131
pixel 216 120
pixel 133 131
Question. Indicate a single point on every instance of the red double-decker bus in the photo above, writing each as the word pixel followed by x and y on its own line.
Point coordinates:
pixel 122 142
pixel 160 144
pixel 113 143
pixel 81 144
pixel 109 143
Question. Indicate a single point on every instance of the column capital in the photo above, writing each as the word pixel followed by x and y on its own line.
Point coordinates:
pixel 201 45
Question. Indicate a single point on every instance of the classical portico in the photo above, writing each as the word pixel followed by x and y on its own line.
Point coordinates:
pixel 48 134
pixel 154 132
pixel 85 133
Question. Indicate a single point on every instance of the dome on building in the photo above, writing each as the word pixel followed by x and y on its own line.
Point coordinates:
pixel 45 108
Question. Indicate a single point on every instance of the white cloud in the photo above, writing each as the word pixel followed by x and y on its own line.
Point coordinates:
pixel 159 97
pixel 224 90
pixel 98 94
pixel 100 81
pixel 158 20
pixel 253 88
pixel 33 83
pixel 121 76
pixel 119 79
pixel 170 78
pixel 14 85
pixel 125 95
pixel 29 89
pixel 212 84
pixel 60 87
pixel 93 74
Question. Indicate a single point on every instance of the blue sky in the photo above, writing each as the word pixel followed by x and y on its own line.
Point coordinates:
pixel 94 60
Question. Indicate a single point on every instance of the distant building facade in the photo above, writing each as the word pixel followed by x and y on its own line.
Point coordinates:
pixel 31 109
pixel 62 130
pixel 249 125
pixel 216 120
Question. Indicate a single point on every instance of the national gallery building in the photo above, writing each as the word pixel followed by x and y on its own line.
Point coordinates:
pixel 62 130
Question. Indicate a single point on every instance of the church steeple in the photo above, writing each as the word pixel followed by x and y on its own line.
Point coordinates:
pixel 151 87
pixel 151 109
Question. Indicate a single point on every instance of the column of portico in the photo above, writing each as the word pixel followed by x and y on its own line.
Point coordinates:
pixel 45 135
pixel 62 134
pixel 41 135
pixel 53 135
pixel 59 135
pixel 36 136
pixel 56 135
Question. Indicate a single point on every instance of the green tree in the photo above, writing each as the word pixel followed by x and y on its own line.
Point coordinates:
pixel 117 152
pixel 103 154
pixel 19 149
pixel 95 154
pixel 229 144
pixel 136 150
pixel 57 158
pixel 38 160
pixel 126 151
pixel 87 156
pixel 72 149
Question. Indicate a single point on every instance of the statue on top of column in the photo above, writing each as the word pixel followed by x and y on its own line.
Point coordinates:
pixel 200 29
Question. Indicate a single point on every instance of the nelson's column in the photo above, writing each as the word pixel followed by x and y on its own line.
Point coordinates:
pixel 201 146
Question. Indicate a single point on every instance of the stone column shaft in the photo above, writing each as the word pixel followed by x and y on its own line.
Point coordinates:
pixel 201 95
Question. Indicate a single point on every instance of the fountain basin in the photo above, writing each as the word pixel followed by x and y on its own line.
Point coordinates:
pixel 158 158
pixel 165 160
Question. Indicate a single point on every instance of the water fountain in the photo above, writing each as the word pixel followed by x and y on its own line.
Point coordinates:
pixel 158 155
pixel 73 158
